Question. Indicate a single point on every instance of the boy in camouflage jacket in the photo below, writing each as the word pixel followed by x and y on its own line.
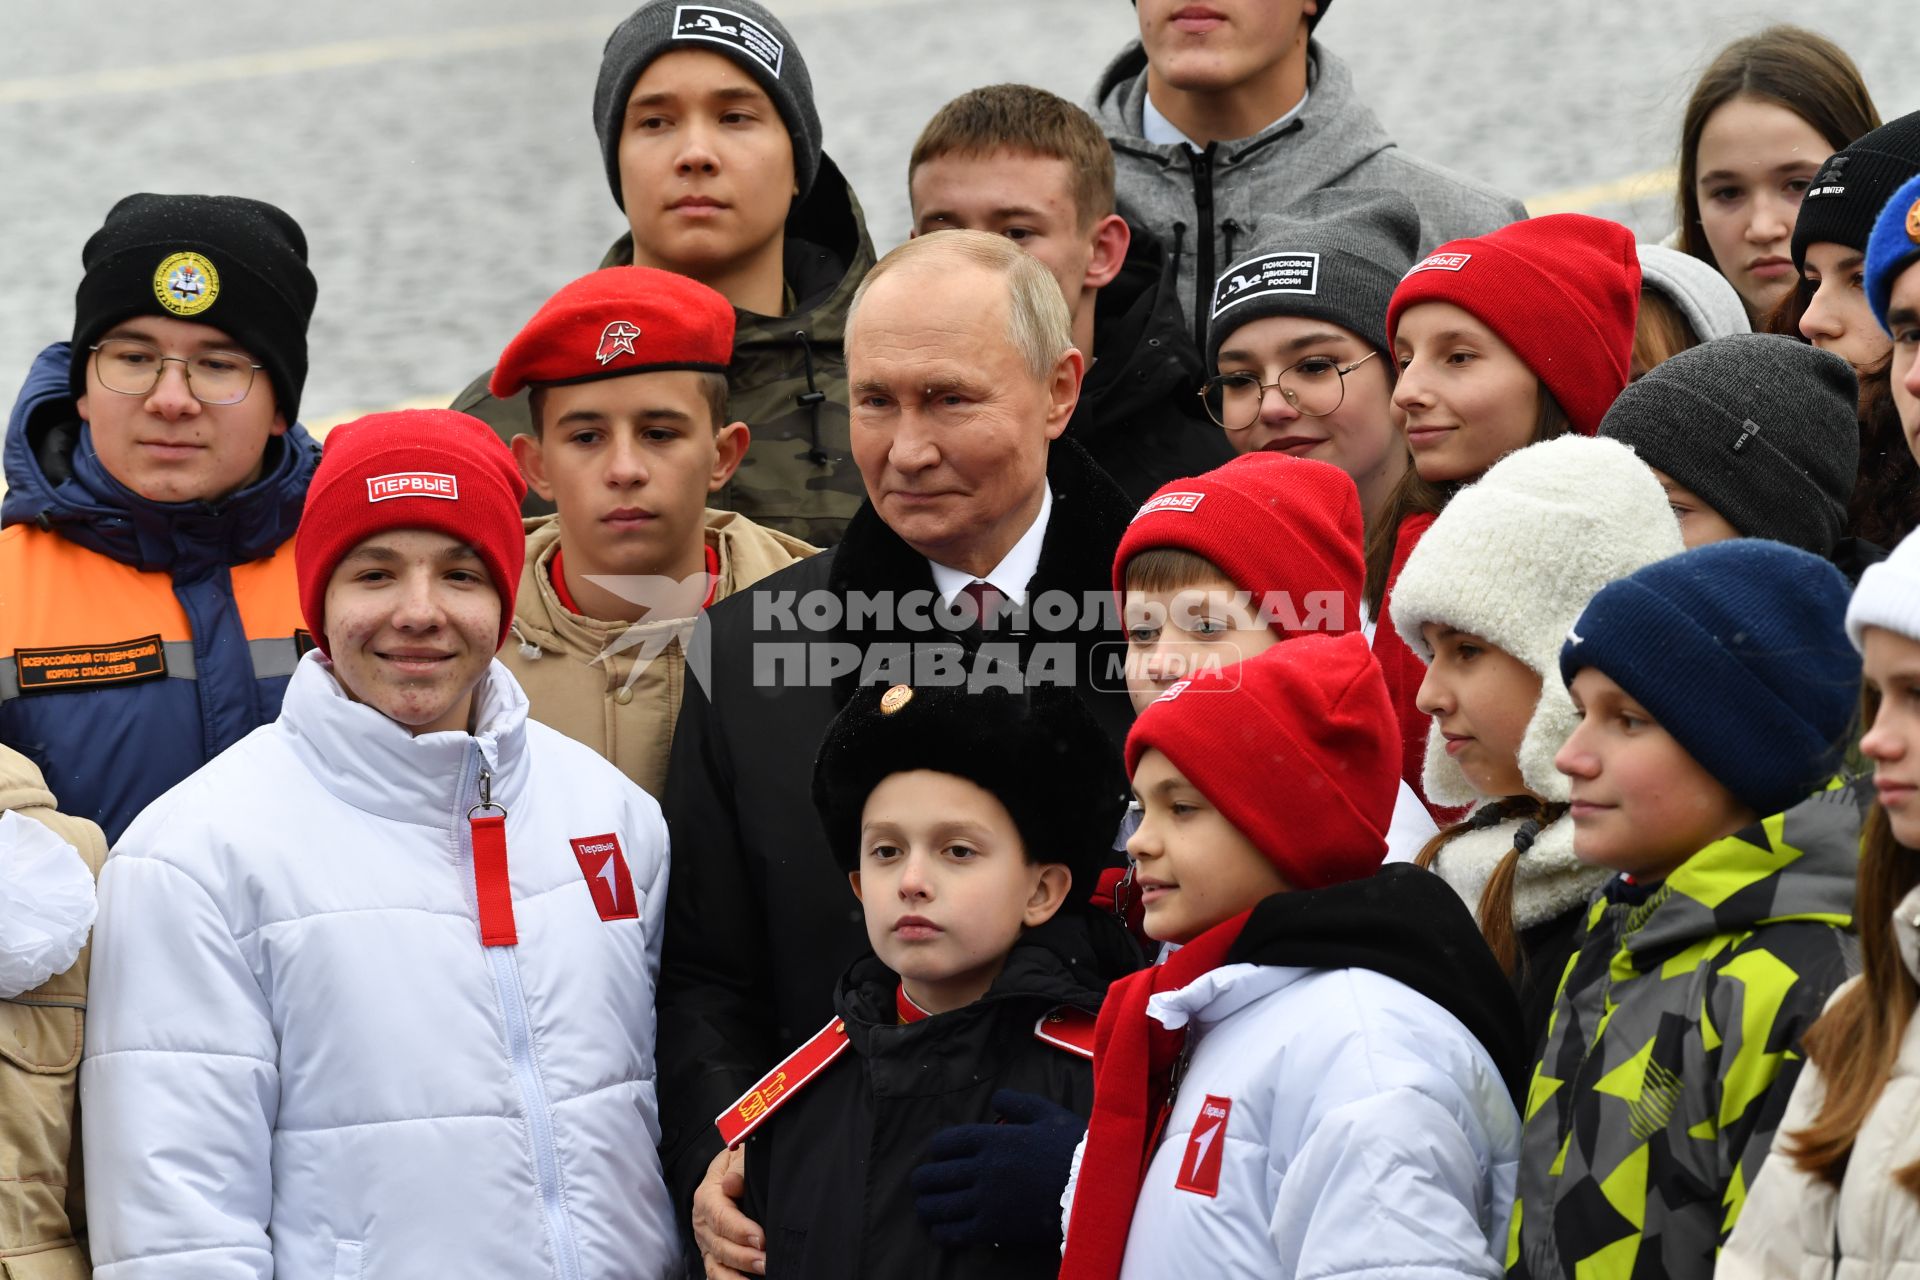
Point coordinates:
pixel 1716 691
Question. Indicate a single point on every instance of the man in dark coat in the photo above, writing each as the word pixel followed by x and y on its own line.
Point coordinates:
pixel 964 377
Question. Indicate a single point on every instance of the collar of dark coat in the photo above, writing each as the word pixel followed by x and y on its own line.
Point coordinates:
pixel 1076 557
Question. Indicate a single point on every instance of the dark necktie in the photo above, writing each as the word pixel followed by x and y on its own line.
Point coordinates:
pixel 987 600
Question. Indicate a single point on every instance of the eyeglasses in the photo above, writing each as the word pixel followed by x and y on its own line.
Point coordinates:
pixel 133 368
pixel 1314 387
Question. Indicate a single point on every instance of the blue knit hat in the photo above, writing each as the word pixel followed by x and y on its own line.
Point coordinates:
pixel 1893 247
pixel 1739 649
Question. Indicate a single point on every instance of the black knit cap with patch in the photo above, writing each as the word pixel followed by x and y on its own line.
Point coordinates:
pixel 1852 186
pixel 236 264
pixel 742 31
pixel 1039 752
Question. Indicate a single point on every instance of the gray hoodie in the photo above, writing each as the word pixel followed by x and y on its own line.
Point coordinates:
pixel 1205 205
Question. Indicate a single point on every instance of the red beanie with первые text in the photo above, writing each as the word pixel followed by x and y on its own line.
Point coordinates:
pixel 1563 291
pixel 1310 720
pixel 1287 531
pixel 617 321
pixel 430 469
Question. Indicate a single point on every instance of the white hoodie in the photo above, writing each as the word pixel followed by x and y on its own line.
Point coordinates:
pixel 301 1062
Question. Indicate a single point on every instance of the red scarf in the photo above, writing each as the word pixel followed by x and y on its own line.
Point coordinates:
pixel 1133 1059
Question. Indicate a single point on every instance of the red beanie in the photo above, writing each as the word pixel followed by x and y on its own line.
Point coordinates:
pixel 417 469
pixel 1280 528
pixel 1309 720
pixel 1563 291
pixel 617 321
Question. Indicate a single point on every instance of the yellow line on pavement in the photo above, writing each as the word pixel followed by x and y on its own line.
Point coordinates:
pixel 1634 186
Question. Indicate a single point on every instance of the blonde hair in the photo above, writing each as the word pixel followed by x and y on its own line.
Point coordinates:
pixel 1038 324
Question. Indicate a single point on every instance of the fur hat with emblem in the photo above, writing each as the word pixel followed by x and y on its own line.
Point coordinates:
pixel 1039 752
pixel 1513 559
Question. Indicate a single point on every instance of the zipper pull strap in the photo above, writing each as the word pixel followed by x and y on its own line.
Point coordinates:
pixel 493 890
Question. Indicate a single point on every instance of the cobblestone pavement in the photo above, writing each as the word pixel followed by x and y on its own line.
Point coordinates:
pixel 442 159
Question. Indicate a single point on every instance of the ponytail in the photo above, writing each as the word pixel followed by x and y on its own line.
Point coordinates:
pixel 1495 910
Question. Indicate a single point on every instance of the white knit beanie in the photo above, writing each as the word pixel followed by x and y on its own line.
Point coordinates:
pixel 1514 559
pixel 1888 595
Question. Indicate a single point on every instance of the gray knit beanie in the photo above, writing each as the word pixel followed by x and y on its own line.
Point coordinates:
pixel 1763 428
pixel 1334 255
pixel 1712 308
pixel 740 30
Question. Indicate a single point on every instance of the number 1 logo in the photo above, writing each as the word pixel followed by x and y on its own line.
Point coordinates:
pixel 1206 1147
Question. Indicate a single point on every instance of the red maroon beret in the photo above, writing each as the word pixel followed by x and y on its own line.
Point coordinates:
pixel 617 321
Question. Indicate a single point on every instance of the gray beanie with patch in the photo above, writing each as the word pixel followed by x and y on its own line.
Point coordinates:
pixel 1763 428
pixel 741 31
pixel 1333 255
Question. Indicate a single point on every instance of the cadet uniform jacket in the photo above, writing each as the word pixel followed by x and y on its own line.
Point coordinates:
pixel 42 1218
pixel 303 1063
pixel 735 996
pixel 787 380
pixel 138 639
pixel 1674 1044
pixel 828 1175
pixel 615 686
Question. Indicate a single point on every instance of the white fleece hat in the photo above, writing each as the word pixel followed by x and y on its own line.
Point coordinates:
pixel 1703 295
pixel 1888 595
pixel 1514 559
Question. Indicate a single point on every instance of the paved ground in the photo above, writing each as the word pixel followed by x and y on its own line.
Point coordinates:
pixel 441 155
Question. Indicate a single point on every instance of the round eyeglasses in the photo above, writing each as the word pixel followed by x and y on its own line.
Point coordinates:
pixel 133 368
pixel 1314 387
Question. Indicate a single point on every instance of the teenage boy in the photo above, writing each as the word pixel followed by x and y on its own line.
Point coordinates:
pixel 626 371
pixel 970 826
pixel 1317 1081
pixel 373 991
pixel 1223 114
pixel 712 148
pixel 1222 567
pixel 155 474
pixel 1019 162
pixel 1893 290
pixel 1716 690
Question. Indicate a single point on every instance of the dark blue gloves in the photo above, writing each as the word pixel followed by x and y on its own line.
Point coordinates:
pixel 1000 1183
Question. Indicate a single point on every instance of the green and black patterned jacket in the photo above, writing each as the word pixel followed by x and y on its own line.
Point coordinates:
pixel 1674 1044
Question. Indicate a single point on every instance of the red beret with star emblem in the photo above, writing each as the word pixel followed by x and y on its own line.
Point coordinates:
pixel 617 321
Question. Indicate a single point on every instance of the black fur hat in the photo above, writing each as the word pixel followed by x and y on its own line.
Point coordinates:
pixel 1039 752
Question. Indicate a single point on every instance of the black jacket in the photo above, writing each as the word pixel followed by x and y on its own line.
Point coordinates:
pixel 760 922
pixel 1140 414
pixel 1408 925
pixel 829 1175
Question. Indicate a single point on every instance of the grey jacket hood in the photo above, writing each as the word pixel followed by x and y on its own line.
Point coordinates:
pixel 1205 205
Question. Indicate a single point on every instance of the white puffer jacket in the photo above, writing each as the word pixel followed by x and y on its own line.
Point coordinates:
pixel 1367 1133
pixel 302 1064
pixel 1797 1226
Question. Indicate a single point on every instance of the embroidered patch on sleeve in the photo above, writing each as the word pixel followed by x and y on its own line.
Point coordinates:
pixel 85 666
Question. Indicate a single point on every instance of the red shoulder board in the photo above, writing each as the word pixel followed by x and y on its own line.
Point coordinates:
pixel 780 1084
pixel 1066 1027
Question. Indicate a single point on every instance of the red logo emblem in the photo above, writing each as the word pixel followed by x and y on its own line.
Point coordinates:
pixel 616 340
pixel 1200 1167
pixel 605 868
pixel 413 484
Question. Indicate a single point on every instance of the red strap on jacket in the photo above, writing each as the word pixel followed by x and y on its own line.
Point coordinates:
pixel 491 887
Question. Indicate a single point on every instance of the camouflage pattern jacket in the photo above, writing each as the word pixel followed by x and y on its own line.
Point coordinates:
pixel 788 379
pixel 1674 1045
